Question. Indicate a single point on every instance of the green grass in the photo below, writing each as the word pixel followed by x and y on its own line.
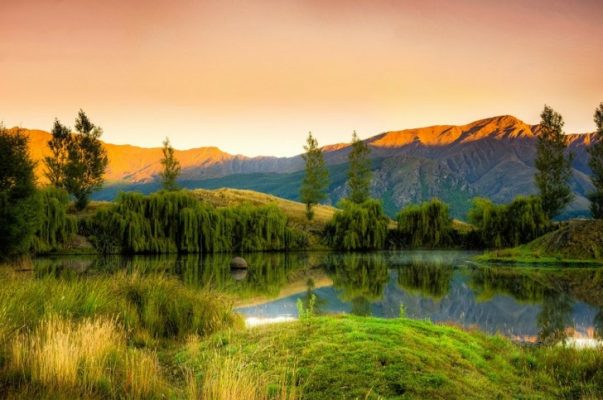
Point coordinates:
pixel 152 305
pixel 370 358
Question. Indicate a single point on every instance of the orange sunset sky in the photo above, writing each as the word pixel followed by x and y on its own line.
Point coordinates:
pixel 253 77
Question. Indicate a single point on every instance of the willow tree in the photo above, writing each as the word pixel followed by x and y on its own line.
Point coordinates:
pixel 508 225
pixel 359 173
pixel 425 225
pixel 358 226
pixel 19 202
pixel 171 167
pixel 86 161
pixel 553 167
pixel 596 165
pixel 316 178
pixel 57 228
pixel 176 221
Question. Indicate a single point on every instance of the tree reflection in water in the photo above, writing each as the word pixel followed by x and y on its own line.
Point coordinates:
pixel 555 317
pixel 361 278
pixel 427 277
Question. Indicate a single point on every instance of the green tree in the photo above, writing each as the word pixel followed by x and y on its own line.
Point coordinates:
pixel 86 161
pixel 358 226
pixel 553 167
pixel 596 165
pixel 316 180
pixel 171 167
pixel 19 202
pixel 508 225
pixel 59 149
pixel 359 173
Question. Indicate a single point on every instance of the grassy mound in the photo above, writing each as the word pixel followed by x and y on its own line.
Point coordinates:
pixel 370 358
pixel 574 241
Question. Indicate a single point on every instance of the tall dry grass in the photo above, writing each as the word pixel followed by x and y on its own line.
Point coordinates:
pixel 230 378
pixel 89 357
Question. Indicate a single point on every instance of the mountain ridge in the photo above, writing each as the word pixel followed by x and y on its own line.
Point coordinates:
pixel 490 157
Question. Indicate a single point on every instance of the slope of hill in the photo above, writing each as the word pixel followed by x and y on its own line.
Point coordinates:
pixel 295 211
pixel 492 157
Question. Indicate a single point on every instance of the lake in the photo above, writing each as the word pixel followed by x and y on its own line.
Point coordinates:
pixel 544 304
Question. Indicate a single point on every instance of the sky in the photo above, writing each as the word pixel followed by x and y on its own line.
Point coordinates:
pixel 253 77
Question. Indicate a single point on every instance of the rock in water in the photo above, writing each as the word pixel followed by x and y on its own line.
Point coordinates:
pixel 238 263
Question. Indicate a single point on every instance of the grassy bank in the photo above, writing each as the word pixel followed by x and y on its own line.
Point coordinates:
pixel 573 242
pixel 371 358
pixel 98 337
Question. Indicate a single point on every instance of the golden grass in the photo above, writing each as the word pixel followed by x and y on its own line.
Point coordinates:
pixel 231 378
pixel 88 357
pixel 143 374
pixel 59 353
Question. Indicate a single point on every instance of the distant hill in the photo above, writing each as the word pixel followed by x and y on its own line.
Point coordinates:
pixel 493 157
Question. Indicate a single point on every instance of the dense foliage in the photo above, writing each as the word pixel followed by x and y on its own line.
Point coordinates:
pixel 358 226
pixel 177 222
pixel 19 203
pixel 425 225
pixel 316 177
pixel 509 225
pixel 553 167
pixel 359 172
pixel 596 165
pixel 56 227
pixel 171 167
pixel 78 160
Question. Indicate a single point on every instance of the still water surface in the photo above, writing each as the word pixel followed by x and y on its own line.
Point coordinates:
pixel 544 304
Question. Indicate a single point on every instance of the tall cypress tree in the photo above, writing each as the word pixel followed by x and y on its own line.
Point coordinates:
pixel 86 161
pixel 56 163
pixel 553 167
pixel 316 179
pixel 171 167
pixel 359 173
pixel 596 165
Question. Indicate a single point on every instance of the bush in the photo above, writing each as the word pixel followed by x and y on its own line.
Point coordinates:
pixel 358 226
pixel 425 225
pixel 509 225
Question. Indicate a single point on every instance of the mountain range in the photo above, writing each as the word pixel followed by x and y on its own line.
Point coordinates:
pixel 492 157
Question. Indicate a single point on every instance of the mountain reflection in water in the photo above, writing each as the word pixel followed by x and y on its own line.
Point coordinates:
pixel 545 304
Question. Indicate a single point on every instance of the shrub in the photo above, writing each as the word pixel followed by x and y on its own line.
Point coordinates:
pixel 358 226
pixel 425 225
